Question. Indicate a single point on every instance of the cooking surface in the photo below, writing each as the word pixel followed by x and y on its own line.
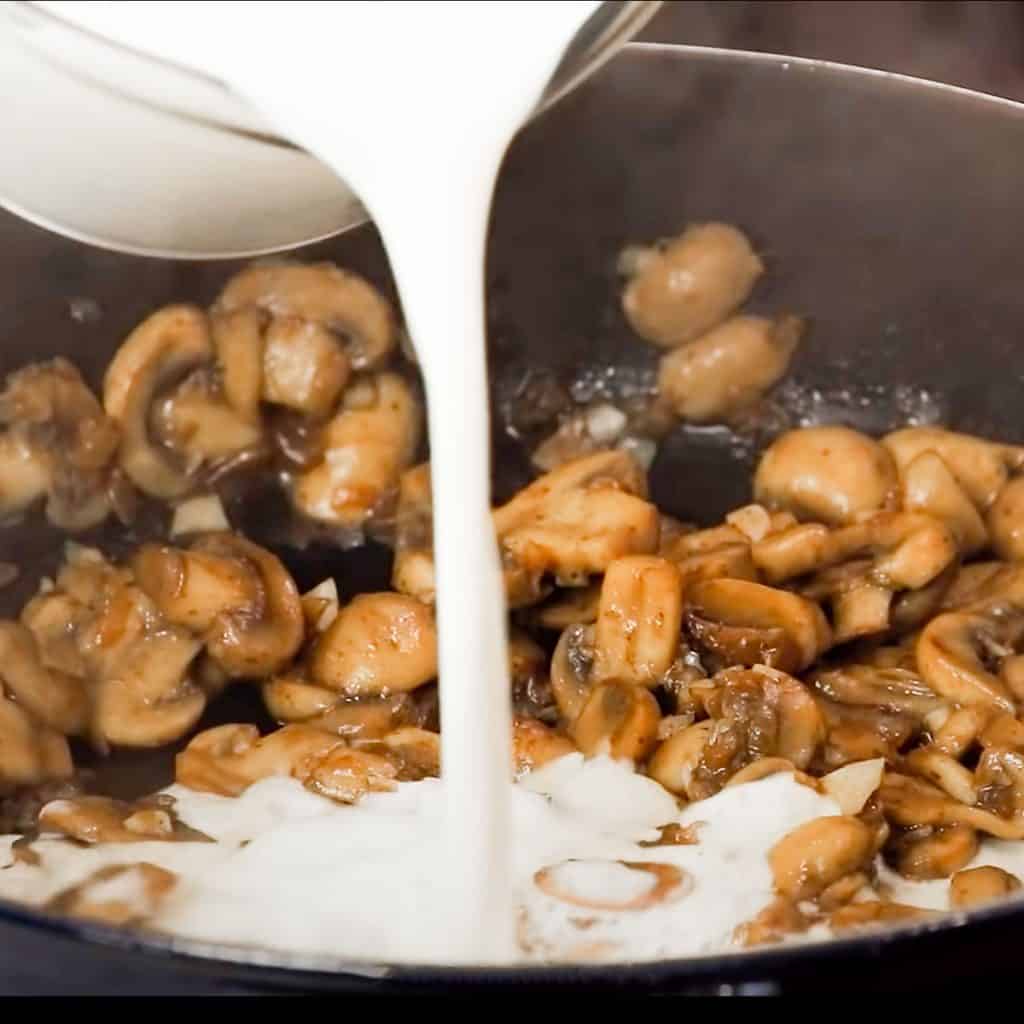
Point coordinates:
pixel 980 45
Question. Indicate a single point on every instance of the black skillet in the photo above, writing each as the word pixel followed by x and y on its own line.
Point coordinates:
pixel 890 211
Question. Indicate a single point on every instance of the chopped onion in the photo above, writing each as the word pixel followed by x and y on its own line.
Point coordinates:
pixel 853 785
pixel 321 605
pixel 200 515
pixel 753 522
pixel 605 423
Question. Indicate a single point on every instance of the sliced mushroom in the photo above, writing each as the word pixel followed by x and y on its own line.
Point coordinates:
pixel 198 425
pixel 874 913
pixel 323 294
pixel 294 700
pixel 366 447
pixel 532 695
pixel 304 367
pixel 828 475
pixel 237 596
pixel 816 855
pixel 160 352
pixel 59 443
pixel 979 886
pixel 859 733
pixel 96 820
pixel 914 803
pixel 414 752
pixel 982 468
pixel 728 368
pixel 413 572
pixel 55 699
pixel 909 550
pixel 378 644
pixel 745 623
pixel 926 854
pixel 566 608
pixel 229 759
pixel 675 763
pixel 572 670
pixel 1006 521
pixel 535 745
pixel 723 552
pixel 691 284
pixel 945 772
pixel 619 720
pixel 639 620
pixel 147 699
pixel 573 523
pixel 25 475
pixel 30 753
pixel 606 470
pixel 892 689
pixel 238 339
pixel 346 775
pixel 930 487
pixel 950 653
pixel 757 713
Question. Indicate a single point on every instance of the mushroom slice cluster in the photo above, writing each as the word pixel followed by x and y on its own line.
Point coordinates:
pixel 231 758
pixel 571 524
pixel 363 452
pixel 264 380
pixel 564 529
pixel 94 656
pixel 235 597
pixel 57 444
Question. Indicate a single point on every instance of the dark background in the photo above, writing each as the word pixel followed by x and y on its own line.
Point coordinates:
pixel 978 44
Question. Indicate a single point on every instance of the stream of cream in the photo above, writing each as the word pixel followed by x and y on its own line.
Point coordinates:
pixel 413 105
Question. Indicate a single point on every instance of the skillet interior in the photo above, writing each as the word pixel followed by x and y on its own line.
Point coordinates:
pixel 889 212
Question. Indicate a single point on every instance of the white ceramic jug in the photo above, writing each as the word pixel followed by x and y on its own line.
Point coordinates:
pixel 110 141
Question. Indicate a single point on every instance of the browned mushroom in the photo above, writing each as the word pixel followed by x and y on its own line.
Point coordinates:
pixel 30 753
pixel 689 285
pixel 757 713
pixel 535 745
pixel 229 759
pixel 378 644
pixel 236 596
pixel 728 368
pixel 816 855
pixel 952 652
pixel 927 853
pixel 159 353
pixel 982 468
pixel 413 572
pixel 573 523
pixel 979 886
pixel 304 367
pixel 59 443
pixel 636 636
pixel 94 820
pixel 1006 521
pixel 744 623
pixel 828 475
pixel 55 699
pixel 323 295
pixel 722 552
pixel 617 719
pixel 930 487
pixel 365 448
pixel 291 700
